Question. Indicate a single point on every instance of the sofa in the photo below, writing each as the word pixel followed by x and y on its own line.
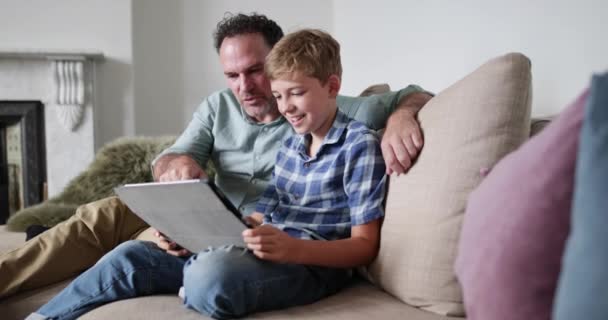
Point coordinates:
pixel 468 128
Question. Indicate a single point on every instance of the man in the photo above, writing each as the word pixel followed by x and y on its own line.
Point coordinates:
pixel 239 129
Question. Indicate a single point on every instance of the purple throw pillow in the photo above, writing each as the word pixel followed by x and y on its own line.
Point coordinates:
pixel 516 225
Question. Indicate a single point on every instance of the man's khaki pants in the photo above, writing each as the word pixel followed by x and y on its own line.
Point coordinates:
pixel 70 247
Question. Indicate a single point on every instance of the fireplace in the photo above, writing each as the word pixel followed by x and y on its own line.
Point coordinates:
pixel 59 88
pixel 22 156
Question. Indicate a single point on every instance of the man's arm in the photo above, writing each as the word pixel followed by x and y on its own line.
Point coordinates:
pixel 403 139
pixel 192 148
pixel 400 107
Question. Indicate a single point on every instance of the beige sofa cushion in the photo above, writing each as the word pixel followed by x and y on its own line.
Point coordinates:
pixel 467 127
pixel 359 302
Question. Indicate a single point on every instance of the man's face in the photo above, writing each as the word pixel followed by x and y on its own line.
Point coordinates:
pixel 242 58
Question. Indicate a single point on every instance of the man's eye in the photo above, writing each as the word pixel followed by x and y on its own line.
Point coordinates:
pixel 255 71
pixel 297 93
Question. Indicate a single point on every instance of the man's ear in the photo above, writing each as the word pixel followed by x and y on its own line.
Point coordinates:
pixel 334 84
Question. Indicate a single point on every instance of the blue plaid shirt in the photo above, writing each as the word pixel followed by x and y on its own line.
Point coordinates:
pixel 323 196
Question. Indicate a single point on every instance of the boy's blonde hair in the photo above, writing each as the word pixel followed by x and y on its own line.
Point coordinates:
pixel 310 52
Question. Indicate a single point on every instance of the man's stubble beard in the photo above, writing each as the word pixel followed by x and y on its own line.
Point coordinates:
pixel 269 108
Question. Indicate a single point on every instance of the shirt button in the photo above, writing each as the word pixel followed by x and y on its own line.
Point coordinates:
pixel 306 165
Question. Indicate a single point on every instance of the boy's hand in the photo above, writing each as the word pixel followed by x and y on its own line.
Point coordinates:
pixel 254 220
pixel 169 246
pixel 270 243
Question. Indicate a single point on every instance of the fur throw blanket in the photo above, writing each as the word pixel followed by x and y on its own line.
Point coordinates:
pixel 125 160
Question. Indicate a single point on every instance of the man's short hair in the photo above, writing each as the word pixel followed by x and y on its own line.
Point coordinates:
pixel 235 25
pixel 310 52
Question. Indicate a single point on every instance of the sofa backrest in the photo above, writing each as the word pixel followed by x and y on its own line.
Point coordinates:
pixel 467 128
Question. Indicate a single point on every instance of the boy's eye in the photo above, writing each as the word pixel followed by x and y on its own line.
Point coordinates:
pixel 297 93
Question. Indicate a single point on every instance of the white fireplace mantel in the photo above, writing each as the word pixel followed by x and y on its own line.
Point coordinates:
pixel 68 75
pixel 64 81
pixel 51 54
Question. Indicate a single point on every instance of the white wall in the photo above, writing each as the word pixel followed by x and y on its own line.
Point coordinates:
pixel 103 25
pixel 434 43
pixel 159 58
pixel 160 62
pixel 158 81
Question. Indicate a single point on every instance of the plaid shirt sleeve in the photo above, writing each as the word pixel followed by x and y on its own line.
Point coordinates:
pixel 365 180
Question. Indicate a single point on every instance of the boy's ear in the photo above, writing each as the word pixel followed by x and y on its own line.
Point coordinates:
pixel 334 85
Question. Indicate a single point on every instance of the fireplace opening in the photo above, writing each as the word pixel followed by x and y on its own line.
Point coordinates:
pixel 22 156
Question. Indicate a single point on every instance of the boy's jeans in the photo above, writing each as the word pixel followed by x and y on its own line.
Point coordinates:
pixel 227 282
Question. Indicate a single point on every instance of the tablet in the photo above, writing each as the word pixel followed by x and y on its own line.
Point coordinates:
pixel 193 213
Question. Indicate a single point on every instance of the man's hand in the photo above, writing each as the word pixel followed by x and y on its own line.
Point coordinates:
pixel 177 167
pixel 270 243
pixel 402 139
pixel 169 246
pixel 401 142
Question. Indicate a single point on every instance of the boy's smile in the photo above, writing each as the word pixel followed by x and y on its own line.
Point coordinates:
pixel 308 105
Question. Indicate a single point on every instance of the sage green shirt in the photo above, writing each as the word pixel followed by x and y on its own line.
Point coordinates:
pixel 244 151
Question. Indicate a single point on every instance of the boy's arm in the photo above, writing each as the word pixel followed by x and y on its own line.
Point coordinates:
pixel 270 243
pixel 364 184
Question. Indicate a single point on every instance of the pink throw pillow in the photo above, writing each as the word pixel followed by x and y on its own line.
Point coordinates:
pixel 516 225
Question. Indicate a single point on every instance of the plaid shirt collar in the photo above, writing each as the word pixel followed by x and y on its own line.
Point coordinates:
pixel 333 136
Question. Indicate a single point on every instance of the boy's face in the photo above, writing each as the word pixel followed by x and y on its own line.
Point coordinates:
pixel 306 103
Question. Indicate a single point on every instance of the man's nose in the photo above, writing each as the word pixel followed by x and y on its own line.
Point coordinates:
pixel 246 83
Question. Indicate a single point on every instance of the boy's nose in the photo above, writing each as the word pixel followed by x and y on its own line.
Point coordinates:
pixel 286 107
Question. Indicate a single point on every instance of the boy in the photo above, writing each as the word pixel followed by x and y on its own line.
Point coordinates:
pixel 321 212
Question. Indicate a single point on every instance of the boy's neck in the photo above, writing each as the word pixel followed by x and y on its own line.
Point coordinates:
pixel 317 137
